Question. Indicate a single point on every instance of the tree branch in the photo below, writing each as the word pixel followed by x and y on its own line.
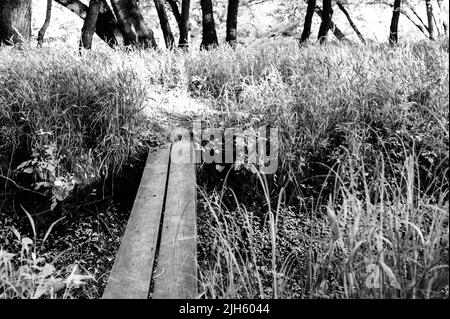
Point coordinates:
pixel 107 27
pixel 44 28
pixel 411 7
pixel 421 28
pixel 350 21
pixel 175 10
pixel 336 31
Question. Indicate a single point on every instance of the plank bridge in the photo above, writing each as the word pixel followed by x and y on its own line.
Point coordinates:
pixel 157 257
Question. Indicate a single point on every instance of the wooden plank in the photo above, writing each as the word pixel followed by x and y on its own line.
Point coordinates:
pixel 132 270
pixel 176 271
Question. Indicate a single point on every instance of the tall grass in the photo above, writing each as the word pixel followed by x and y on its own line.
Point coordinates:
pixel 383 241
pixel 359 204
pixel 362 186
pixel 67 124
pixel 71 120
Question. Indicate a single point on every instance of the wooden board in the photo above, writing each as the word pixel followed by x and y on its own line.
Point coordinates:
pixel 176 272
pixel 132 270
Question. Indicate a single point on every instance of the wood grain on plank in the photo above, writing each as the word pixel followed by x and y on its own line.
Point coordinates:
pixel 132 270
pixel 176 271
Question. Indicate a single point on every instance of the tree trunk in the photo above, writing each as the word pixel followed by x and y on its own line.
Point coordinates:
pixel 165 25
pixel 15 21
pixel 126 24
pixel 443 8
pixel 423 28
pixel 184 26
pixel 326 25
pixel 336 31
pixel 437 24
pixel 107 27
pixel 430 19
pixel 350 21
pixel 393 35
pixel 414 11
pixel 209 38
pixel 88 30
pixel 232 15
pixel 146 37
pixel 43 30
pixel 308 21
pixel 176 12
pixel 134 30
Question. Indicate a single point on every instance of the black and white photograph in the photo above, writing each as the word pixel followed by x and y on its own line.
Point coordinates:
pixel 257 151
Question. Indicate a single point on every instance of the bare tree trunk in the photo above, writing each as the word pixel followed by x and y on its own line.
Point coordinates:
pixel 88 30
pixel 430 19
pixel 184 26
pixel 126 23
pixel 209 38
pixel 437 24
pixel 423 28
pixel 107 27
pixel 176 12
pixel 413 10
pixel 146 38
pixel 15 21
pixel 131 22
pixel 308 21
pixel 336 31
pixel 393 35
pixel 350 21
pixel 43 30
pixel 232 16
pixel 442 9
pixel 326 20
pixel 165 25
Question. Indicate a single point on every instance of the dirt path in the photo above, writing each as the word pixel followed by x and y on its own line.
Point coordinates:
pixel 177 109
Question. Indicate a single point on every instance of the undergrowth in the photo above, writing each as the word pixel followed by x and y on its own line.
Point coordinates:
pixel 358 206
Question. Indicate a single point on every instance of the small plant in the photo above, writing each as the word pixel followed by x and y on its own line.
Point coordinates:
pixel 49 173
pixel 28 275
